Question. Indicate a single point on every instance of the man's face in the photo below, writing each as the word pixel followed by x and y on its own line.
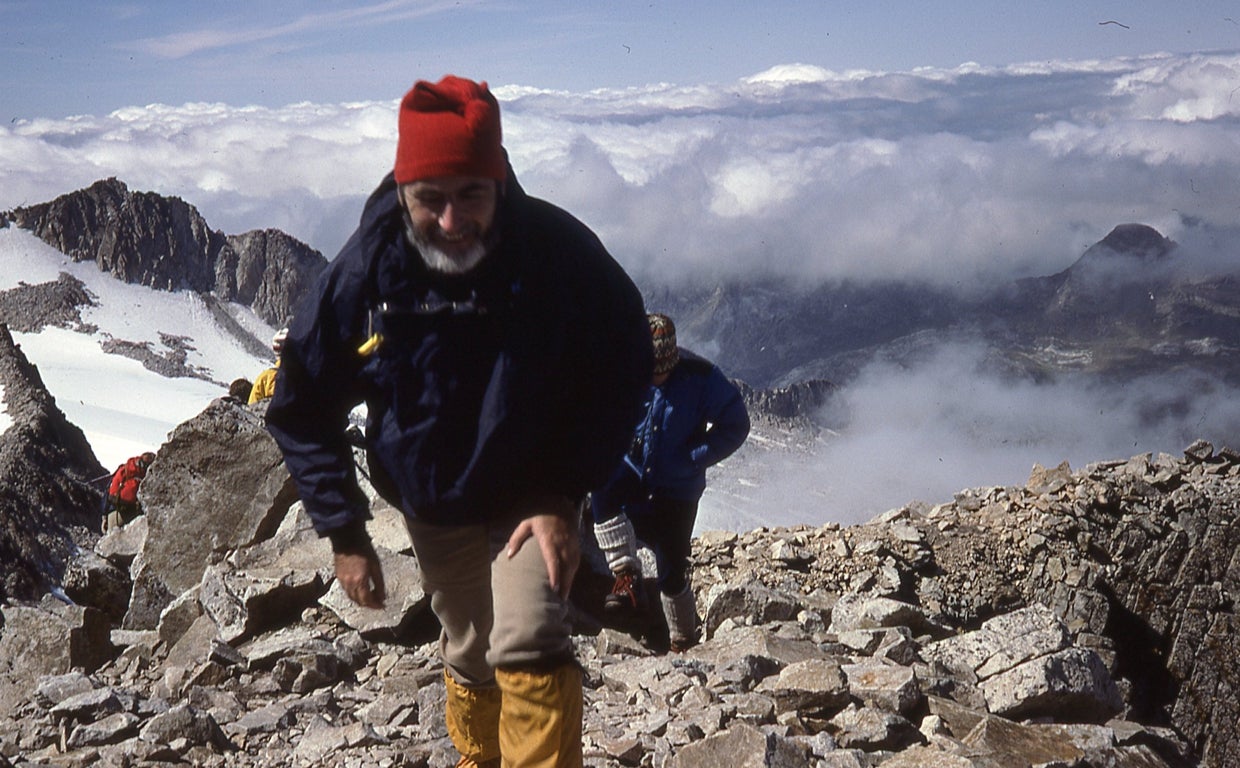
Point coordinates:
pixel 450 218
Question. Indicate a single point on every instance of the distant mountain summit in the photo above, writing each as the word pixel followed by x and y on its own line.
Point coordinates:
pixel 1132 302
pixel 164 243
pixel 1109 283
pixel 1130 241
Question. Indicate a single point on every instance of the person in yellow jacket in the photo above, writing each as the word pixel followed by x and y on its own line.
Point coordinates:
pixel 265 384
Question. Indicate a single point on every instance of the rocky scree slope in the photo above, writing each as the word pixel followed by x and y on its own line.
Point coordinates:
pixel 1084 619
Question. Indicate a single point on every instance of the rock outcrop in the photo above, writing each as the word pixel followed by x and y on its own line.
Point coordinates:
pixel 164 243
pixel 1083 619
pixel 218 485
pixel 30 308
pixel 797 403
pixel 48 506
pixel 268 271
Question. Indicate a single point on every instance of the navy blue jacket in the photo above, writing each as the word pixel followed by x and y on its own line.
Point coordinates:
pixel 694 420
pixel 522 378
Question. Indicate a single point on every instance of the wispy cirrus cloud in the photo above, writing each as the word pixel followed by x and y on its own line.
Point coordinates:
pixel 181 44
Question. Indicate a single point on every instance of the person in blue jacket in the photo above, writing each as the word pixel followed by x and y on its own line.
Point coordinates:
pixel 694 418
pixel 502 355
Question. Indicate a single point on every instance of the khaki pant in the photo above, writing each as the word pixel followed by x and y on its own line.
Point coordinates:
pixel 495 611
pixel 514 695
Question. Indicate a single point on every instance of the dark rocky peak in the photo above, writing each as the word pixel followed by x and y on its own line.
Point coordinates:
pixel 1133 240
pixel 1111 289
pixel 139 237
pixel 48 507
pixel 268 271
pixel 1130 253
pixel 164 243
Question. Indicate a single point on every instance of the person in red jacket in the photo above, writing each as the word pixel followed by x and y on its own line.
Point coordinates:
pixel 122 500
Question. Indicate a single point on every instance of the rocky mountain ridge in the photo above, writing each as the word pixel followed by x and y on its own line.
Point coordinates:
pixel 1132 303
pixel 164 243
pixel 47 505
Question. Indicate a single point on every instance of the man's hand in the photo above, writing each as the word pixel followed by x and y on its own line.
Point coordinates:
pixel 361 576
pixel 556 531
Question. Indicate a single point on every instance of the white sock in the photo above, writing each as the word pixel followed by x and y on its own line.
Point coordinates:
pixel 619 544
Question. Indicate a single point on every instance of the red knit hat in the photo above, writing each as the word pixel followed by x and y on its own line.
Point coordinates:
pixel 449 128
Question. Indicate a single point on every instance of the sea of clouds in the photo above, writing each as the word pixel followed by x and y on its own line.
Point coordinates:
pixel 959 176
pixel 946 175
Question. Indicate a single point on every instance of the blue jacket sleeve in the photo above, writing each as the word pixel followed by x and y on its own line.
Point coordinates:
pixel 728 417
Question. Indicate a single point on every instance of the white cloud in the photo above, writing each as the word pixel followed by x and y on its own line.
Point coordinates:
pixel 951 422
pixel 948 175
pixel 791 73
pixel 1184 89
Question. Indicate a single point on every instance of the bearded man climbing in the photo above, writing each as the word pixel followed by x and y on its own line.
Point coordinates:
pixel 502 355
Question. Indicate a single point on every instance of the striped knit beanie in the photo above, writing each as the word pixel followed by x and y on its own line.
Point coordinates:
pixel 663 333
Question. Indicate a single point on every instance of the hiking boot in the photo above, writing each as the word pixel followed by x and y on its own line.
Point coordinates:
pixel 626 599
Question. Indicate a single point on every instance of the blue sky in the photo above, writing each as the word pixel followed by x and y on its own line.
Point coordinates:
pixel 66 57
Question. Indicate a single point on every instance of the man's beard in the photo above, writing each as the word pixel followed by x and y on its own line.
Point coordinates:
pixel 444 262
